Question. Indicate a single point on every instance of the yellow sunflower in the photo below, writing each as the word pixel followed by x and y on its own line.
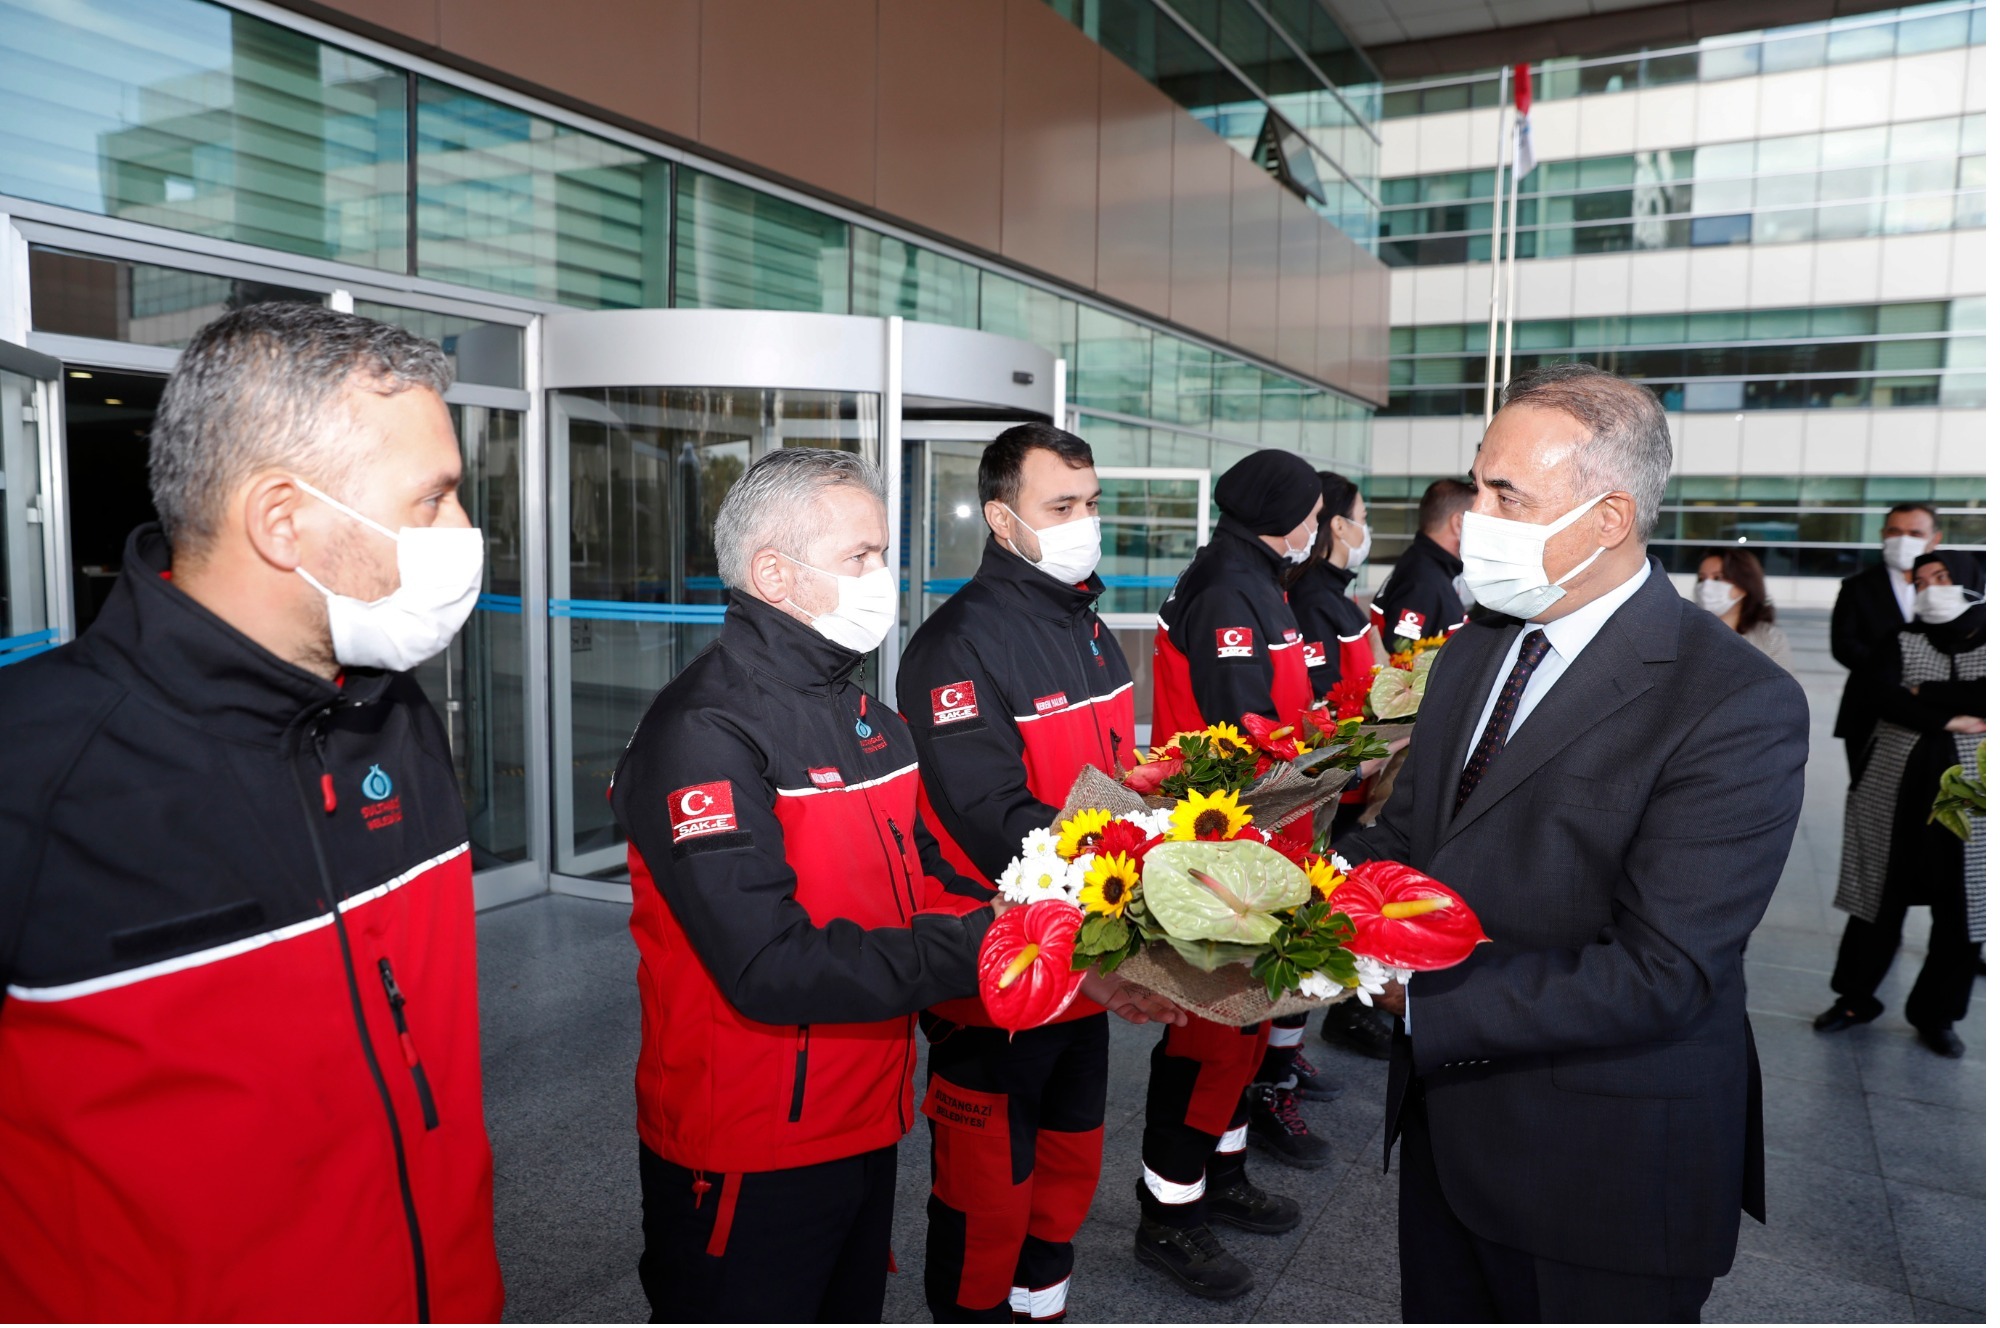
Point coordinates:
pixel 1207 816
pixel 1227 739
pixel 1072 835
pixel 1323 877
pixel 1109 885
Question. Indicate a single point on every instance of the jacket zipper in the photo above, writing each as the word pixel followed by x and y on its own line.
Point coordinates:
pixel 410 1058
pixel 910 1020
pixel 332 904
pixel 903 859
pixel 799 1064
pixel 1090 692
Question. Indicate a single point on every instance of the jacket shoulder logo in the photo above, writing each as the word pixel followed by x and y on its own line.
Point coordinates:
pixel 1411 624
pixel 1315 654
pixel 1053 701
pixel 953 702
pixel 826 777
pixel 1234 642
pixel 702 809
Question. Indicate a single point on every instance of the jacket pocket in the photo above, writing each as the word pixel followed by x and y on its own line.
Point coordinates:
pixel 397 1002
pixel 1649 1070
pixel 801 1066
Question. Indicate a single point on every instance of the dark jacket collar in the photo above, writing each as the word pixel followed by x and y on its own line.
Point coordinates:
pixel 774 642
pixel 154 638
pixel 1014 578
pixel 1235 543
pixel 1319 572
pixel 1965 632
pixel 1425 547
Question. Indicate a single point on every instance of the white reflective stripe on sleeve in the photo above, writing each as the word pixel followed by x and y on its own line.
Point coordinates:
pixel 1173 1192
pixel 847 788
pixel 1042 1303
pixel 1111 695
pixel 1235 1141
pixel 1287 1037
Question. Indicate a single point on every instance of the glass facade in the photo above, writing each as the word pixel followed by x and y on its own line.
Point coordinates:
pixel 1911 30
pixel 1900 179
pixel 1927 353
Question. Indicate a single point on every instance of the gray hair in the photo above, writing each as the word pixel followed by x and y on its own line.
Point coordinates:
pixel 1629 449
pixel 771 507
pixel 263 387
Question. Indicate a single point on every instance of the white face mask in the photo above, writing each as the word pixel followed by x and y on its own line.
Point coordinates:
pixel 1503 561
pixel 439 567
pixel 1070 549
pixel 1716 596
pixel 1297 556
pixel 1901 551
pixel 864 608
pixel 1941 604
pixel 1358 554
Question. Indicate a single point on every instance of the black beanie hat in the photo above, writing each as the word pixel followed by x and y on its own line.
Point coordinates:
pixel 1268 492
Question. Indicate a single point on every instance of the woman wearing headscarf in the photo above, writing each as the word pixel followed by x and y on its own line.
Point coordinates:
pixel 1893 857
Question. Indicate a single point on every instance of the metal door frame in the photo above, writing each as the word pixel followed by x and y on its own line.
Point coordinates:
pixel 1203 525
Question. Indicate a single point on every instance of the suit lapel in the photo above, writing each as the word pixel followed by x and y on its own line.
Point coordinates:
pixel 1607 676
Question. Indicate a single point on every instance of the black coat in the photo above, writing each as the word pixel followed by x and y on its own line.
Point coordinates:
pixel 1590 1077
pixel 1420 597
pixel 1866 619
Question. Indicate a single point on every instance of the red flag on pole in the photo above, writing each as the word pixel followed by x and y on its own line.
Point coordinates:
pixel 1524 142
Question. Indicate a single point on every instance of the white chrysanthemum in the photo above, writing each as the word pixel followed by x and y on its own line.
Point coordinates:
pixel 1372 976
pixel 1154 820
pixel 1039 843
pixel 1318 986
pixel 1339 863
pixel 1029 880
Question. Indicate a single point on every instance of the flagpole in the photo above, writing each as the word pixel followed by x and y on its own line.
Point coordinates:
pixel 1513 231
pixel 1493 296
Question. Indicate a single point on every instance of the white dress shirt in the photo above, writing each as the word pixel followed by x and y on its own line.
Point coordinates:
pixel 1906 591
pixel 1568 635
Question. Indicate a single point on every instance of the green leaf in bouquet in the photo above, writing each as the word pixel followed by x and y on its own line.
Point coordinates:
pixel 1101 934
pixel 1211 955
pixel 1226 891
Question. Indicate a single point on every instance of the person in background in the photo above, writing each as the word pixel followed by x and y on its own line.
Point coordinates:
pixel 1729 583
pixel 792 914
pixel 1340 643
pixel 1421 597
pixel 1892 857
pixel 239 1006
pixel 1869 611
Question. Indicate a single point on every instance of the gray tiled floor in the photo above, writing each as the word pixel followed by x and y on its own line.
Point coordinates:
pixel 1876 1153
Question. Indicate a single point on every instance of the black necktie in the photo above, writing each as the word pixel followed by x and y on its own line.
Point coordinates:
pixel 1533 647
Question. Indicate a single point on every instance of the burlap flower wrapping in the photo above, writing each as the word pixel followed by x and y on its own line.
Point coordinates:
pixel 1230 994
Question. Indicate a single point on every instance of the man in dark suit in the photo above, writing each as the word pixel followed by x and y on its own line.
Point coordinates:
pixel 1871 608
pixel 1611 778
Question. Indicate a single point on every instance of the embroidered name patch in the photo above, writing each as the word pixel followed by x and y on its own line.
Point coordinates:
pixel 826 777
pixel 1233 642
pixel 1045 704
pixel 953 702
pixel 1315 654
pixel 1411 624
pixel 702 809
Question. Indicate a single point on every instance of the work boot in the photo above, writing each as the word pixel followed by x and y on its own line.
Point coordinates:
pixel 1189 1254
pixel 1358 1028
pixel 1309 1084
pixel 1942 1041
pixel 1278 1129
pixel 1845 1014
pixel 1233 1200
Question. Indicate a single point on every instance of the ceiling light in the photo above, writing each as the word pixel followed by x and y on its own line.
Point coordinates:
pixel 962 511
pixel 113 401
pixel 79 373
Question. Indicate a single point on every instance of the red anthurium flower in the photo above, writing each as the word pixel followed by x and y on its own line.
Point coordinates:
pixel 1024 964
pixel 1405 919
pixel 1279 742
pixel 1124 837
pixel 1147 776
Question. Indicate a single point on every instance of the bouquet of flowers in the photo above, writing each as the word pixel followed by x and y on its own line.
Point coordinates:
pixel 1961 796
pixel 1189 896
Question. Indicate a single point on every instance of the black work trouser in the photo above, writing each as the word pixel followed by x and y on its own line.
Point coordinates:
pixel 1943 989
pixel 1452 1275
pixel 799 1245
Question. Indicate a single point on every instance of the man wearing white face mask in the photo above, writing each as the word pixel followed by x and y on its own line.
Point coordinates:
pixel 1870 610
pixel 1612 781
pixel 792 913
pixel 1011 687
pixel 239 1041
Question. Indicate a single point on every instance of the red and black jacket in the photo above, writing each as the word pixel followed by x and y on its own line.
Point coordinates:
pixel 1420 598
pixel 1227 644
pixel 1010 688
pixel 792 911
pixel 1335 627
pixel 239 1048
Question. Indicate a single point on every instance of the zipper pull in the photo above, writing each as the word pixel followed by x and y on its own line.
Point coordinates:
pixel 326 794
pixel 701 1187
pixel 396 1003
pixel 897 831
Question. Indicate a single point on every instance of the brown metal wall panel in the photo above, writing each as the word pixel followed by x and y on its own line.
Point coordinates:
pixel 1048 210
pixel 1369 375
pixel 1334 351
pixel 1135 188
pixel 634 59
pixel 789 85
pixel 1299 230
pixel 1202 176
pixel 1253 257
pixel 414 20
pixel 938 115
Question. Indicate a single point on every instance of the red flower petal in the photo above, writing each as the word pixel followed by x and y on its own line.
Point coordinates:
pixel 1149 775
pixel 1442 934
pixel 1123 837
pixel 1029 950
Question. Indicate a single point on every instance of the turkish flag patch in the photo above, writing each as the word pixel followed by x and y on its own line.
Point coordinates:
pixel 1315 654
pixel 1234 642
pixel 1411 624
pixel 702 809
pixel 952 702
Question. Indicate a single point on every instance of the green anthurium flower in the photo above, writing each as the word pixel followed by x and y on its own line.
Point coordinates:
pixel 1221 891
pixel 1396 693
